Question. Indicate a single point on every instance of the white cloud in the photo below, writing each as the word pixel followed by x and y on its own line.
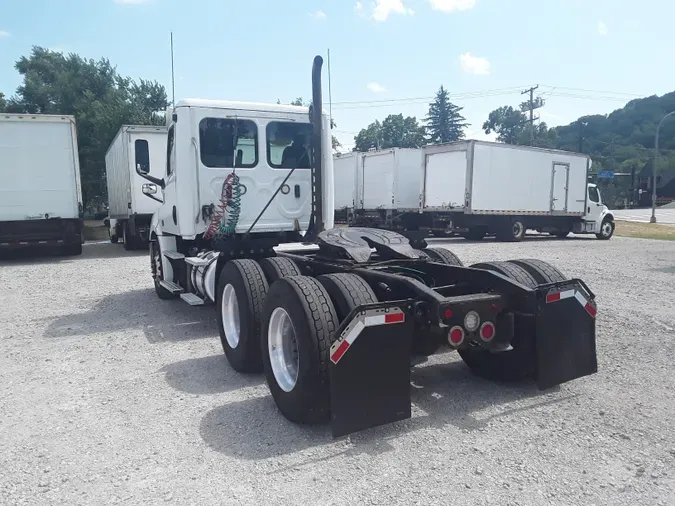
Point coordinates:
pixel 452 5
pixel 602 28
pixel 358 9
pixel 131 2
pixel 385 7
pixel 376 87
pixel 474 64
pixel 318 15
pixel 3 34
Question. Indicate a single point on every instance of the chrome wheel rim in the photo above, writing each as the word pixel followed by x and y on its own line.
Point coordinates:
pixel 283 349
pixel 607 229
pixel 517 229
pixel 230 316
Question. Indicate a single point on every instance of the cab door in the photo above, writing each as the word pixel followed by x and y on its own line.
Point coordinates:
pixel 594 207
pixel 167 213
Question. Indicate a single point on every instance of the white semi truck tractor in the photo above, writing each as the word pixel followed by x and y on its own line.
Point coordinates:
pixel 336 322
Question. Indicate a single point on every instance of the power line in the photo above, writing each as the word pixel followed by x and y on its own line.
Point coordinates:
pixel 592 91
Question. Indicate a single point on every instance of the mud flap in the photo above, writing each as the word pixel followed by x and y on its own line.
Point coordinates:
pixel 565 331
pixel 370 368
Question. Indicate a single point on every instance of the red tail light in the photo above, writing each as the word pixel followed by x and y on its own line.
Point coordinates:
pixel 487 331
pixel 456 336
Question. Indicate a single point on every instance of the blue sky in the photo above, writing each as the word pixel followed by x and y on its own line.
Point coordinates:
pixel 587 56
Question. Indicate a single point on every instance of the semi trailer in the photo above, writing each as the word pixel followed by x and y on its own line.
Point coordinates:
pixel 129 211
pixel 336 324
pixel 478 188
pixel 40 190
pixel 344 184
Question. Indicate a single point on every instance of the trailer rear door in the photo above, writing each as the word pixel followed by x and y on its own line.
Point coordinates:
pixel 376 181
pixel 445 178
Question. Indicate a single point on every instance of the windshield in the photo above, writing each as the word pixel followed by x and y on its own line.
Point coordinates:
pixel 288 145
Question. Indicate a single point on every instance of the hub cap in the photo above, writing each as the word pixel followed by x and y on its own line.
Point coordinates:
pixel 283 349
pixel 230 316
pixel 606 228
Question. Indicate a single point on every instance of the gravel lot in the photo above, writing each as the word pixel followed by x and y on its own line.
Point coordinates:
pixel 110 395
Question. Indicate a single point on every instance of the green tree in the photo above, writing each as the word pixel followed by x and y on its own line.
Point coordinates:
pixel 508 123
pixel 100 99
pixel 395 131
pixel 444 121
pixel 3 102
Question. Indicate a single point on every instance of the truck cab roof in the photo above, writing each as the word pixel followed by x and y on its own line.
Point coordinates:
pixel 237 105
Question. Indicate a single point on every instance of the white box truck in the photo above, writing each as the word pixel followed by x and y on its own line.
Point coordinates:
pixel 129 208
pixel 387 184
pixel 483 188
pixel 344 181
pixel 40 191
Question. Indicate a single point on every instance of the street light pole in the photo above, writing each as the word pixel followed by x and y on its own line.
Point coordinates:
pixel 656 159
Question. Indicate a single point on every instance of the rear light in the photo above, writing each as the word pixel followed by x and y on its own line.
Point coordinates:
pixel 487 331
pixel 456 336
pixel 448 314
pixel 471 321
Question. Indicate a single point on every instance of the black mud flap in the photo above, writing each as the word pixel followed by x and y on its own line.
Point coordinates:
pixel 370 368
pixel 565 334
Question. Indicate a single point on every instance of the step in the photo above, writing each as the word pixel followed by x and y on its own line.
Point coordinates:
pixel 196 261
pixel 171 287
pixel 192 299
pixel 174 255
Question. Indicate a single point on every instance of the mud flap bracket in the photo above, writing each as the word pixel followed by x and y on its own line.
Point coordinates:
pixel 370 368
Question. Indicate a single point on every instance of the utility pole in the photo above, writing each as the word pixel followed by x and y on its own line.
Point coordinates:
pixel 531 105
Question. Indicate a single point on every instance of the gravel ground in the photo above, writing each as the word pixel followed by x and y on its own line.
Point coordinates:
pixel 113 396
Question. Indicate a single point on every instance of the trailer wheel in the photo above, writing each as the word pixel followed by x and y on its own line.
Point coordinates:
pixel 158 272
pixel 512 231
pixel 513 271
pixel 541 271
pixel 475 234
pixel 443 256
pixel 279 267
pixel 298 327
pixel 520 361
pixel 239 301
pixel 606 229
pixel 347 291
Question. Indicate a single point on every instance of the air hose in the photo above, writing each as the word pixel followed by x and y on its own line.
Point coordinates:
pixel 226 216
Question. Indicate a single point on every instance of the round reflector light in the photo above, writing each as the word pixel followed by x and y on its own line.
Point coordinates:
pixel 456 336
pixel 487 331
pixel 472 321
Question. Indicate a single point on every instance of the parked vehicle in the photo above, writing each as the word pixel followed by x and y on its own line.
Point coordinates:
pixel 482 188
pixel 344 174
pixel 40 192
pixel 129 211
pixel 335 325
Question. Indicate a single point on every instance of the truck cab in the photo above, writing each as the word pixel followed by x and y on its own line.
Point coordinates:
pixel 598 219
pixel 210 141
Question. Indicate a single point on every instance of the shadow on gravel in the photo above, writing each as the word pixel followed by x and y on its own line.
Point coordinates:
pixel 443 395
pixel 47 255
pixel 159 320
pixel 208 375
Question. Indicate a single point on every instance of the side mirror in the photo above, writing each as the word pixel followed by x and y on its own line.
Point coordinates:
pixel 149 189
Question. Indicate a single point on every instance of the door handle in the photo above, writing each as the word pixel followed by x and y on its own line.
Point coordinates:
pixel 589 209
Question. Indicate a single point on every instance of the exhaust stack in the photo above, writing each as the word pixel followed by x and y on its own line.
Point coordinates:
pixel 316 117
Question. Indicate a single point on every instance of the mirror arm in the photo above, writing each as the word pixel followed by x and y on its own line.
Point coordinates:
pixel 154 198
pixel 152 179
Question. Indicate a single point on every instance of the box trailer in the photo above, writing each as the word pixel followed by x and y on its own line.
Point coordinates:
pixel 344 180
pixel 40 190
pixel 129 208
pixel 483 188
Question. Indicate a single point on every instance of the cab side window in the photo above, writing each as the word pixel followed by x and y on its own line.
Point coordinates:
pixel 169 151
pixel 593 194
